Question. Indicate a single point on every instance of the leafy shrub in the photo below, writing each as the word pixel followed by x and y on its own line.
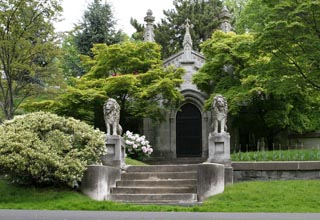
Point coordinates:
pixel 137 146
pixel 46 149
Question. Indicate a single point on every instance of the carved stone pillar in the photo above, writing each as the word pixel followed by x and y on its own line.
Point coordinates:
pixel 219 148
pixel 115 152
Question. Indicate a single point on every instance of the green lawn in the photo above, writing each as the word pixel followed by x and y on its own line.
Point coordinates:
pixel 273 196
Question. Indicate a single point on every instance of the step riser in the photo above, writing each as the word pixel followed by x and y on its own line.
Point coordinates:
pixel 158 176
pixel 146 183
pixel 153 190
pixel 154 197
pixel 163 168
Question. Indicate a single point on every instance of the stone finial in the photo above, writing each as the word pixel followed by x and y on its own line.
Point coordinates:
pixel 111 111
pixel 148 32
pixel 219 114
pixel 225 15
pixel 187 41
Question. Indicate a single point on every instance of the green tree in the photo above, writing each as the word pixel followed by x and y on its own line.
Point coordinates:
pixel 97 26
pixel 71 58
pixel 262 102
pixel 236 8
pixel 28 49
pixel 291 38
pixel 169 33
pixel 204 15
pixel 130 72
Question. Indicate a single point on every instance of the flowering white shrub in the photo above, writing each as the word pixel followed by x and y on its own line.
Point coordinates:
pixel 137 146
pixel 46 149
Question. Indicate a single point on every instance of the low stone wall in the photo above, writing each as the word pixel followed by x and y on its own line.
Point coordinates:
pixel 248 171
pixel 210 180
pixel 98 180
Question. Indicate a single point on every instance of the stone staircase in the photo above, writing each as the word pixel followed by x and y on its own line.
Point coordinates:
pixel 160 184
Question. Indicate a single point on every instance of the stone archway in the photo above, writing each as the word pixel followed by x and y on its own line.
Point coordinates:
pixel 189 131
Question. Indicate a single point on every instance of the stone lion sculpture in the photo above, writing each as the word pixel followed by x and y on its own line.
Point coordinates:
pixel 219 114
pixel 111 111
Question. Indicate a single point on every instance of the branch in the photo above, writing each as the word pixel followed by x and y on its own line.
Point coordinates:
pixel 300 71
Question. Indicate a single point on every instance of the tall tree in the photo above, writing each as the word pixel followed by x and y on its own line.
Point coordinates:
pixel 271 75
pixel 291 38
pixel 27 49
pixel 97 26
pixel 169 33
pixel 130 72
pixel 204 15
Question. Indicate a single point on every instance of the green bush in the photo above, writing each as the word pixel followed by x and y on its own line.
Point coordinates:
pixel 46 149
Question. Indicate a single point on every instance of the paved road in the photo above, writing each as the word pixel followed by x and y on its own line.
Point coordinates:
pixel 95 215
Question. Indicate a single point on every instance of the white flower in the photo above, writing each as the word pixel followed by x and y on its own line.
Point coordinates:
pixel 135 146
pixel 144 149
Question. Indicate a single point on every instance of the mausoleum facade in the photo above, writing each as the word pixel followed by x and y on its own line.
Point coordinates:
pixel 185 131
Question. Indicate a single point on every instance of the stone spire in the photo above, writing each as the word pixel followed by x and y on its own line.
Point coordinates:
pixel 148 32
pixel 225 17
pixel 187 42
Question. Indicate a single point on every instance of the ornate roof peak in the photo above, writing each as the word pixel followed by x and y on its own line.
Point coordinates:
pixel 187 41
pixel 225 16
pixel 148 32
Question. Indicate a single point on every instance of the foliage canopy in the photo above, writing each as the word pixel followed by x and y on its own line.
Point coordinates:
pixel 28 50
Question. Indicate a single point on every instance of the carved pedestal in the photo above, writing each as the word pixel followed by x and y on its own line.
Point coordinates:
pixel 115 156
pixel 219 148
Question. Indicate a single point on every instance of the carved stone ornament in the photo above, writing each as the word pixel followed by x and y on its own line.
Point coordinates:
pixel 219 114
pixel 111 111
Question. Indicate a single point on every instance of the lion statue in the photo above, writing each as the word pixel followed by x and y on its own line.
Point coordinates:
pixel 111 111
pixel 219 114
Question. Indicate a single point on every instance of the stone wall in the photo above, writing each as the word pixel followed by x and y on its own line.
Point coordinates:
pixel 249 171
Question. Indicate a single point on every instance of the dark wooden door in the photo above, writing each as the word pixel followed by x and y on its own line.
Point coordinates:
pixel 188 131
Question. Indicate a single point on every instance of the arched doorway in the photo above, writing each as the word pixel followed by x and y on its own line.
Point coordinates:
pixel 188 131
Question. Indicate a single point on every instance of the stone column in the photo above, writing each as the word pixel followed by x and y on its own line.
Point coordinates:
pixel 219 148
pixel 115 152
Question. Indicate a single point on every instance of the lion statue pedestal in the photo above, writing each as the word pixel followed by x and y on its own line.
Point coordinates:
pixel 115 155
pixel 219 138
pixel 115 147
pixel 219 148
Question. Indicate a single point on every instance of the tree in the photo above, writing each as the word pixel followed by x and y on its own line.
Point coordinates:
pixel 169 33
pixel 236 8
pixel 130 72
pixel 97 26
pixel 28 49
pixel 291 38
pixel 262 102
pixel 71 58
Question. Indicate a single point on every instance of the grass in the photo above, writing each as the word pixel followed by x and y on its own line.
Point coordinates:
pixel 278 155
pixel 130 161
pixel 273 196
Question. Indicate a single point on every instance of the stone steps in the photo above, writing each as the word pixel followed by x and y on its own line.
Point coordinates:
pixel 158 175
pixel 153 190
pixel 163 168
pixel 159 184
pixel 155 198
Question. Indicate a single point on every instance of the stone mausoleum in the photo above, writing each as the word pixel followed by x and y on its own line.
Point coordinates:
pixel 184 133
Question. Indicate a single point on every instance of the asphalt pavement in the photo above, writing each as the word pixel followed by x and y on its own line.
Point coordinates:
pixel 106 215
